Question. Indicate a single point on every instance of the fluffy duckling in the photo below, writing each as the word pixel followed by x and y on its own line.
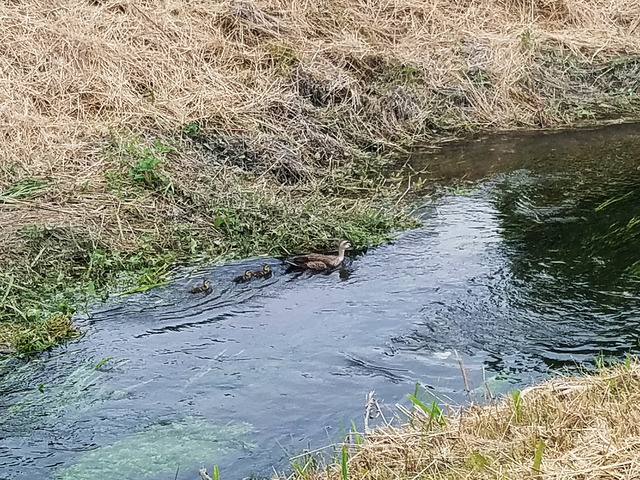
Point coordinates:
pixel 205 287
pixel 264 273
pixel 245 277
pixel 319 261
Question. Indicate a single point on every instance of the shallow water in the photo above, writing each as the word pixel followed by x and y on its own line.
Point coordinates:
pixel 523 273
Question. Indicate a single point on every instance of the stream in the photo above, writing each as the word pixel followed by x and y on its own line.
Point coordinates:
pixel 528 267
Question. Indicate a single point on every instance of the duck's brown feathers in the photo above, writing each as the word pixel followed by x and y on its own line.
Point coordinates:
pixel 319 261
pixel 264 273
pixel 248 274
pixel 205 287
pixel 314 262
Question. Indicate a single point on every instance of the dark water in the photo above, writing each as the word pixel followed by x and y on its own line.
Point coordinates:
pixel 524 273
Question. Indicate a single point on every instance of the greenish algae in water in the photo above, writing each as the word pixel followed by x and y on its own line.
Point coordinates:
pixel 29 391
pixel 159 450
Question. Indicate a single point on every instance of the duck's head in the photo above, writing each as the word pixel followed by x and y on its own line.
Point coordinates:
pixel 206 284
pixel 248 273
pixel 344 245
pixel 266 268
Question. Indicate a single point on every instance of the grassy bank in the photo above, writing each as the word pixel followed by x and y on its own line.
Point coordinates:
pixel 137 134
pixel 566 428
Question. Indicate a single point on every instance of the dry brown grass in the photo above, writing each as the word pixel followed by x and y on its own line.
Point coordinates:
pixel 590 426
pixel 303 81
pixel 72 69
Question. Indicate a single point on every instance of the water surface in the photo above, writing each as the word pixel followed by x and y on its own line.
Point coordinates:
pixel 531 269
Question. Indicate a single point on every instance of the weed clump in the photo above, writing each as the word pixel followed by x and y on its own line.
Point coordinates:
pixel 39 336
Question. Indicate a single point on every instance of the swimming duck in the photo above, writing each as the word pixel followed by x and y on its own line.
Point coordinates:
pixel 205 287
pixel 264 273
pixel 245 277
pixel 318 261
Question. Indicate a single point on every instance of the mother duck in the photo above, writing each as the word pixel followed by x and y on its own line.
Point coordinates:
pixel 319 262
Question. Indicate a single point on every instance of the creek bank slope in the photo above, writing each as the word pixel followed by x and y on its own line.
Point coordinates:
pixel 138 135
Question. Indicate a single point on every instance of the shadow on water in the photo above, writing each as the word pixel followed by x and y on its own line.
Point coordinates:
pixel 533 269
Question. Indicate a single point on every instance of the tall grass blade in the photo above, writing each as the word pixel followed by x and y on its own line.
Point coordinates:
pixel 606 203
pixel 413 405
pixel 600 362
pixel 345 459
pixel 357 437
pixel 537 457
pixel 432 410
pixel 516 396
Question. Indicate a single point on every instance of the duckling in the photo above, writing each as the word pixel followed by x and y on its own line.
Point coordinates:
pixel 244 277
pixel 264 273
pixel 318 261
pixel 204 288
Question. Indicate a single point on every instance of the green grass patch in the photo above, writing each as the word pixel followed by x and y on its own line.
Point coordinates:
pixel 22 189
pixel 224 212
pixel 38 336
pixel 139 166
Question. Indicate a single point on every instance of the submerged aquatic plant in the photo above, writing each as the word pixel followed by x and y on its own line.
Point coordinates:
pixel 79 391
pixel 153 452
pixel 102 362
